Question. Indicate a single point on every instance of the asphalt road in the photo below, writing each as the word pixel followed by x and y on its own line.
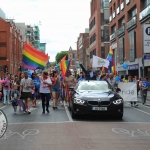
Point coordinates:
pixel 58 131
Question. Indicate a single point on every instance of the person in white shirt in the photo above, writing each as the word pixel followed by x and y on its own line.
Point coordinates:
pixel 45 84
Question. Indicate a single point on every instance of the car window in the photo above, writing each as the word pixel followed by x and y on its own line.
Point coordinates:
pixel 93 85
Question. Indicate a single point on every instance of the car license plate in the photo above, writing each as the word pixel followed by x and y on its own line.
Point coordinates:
pixel 100 108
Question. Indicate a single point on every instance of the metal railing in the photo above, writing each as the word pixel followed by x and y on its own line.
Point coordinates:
pixel 145 12
pixel 121 30
pixel 131 22
pixel 113 36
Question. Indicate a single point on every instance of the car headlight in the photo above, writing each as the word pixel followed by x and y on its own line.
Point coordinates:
pixel 79 101
pixel 118 101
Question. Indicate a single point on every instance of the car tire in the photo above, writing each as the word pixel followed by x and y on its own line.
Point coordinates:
pixel 119 117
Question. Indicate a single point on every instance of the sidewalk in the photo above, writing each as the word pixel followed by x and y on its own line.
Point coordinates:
pixel 148 95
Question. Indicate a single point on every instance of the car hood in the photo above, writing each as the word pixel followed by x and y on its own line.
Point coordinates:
pixel 89 95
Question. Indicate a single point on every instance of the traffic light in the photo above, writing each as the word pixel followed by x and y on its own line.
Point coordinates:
pixel 5 69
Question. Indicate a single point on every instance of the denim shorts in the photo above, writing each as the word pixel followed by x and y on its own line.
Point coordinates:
pixel 14 103
pixel 55 89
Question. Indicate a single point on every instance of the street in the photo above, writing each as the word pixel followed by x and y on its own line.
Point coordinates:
pixel 58 131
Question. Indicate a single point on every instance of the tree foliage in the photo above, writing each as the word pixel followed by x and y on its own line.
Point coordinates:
pixel 52 64
pixel 60 55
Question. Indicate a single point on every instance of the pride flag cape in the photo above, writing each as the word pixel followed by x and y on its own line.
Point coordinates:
pixel 110 57
pixel 64 65
pixel 33 59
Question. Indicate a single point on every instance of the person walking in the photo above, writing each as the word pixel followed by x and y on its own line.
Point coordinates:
pixel 45 84
pixel 6 89
pixel 55 89
pixel 26 86
pixel 133 103
pixel 144 88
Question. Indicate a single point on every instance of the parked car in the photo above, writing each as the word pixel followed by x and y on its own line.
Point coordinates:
pixel 97 98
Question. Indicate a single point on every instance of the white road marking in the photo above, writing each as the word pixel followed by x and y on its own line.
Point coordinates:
pixel 140 110
pixel 146 123
pixel 67 112
pixel 3 107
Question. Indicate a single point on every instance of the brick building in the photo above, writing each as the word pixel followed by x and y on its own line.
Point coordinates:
pixel 72 55
pixel 11 46
pixel 99 28
pixel 83 48
pixel 126 20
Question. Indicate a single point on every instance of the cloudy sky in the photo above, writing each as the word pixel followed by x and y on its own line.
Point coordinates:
pixel 61 20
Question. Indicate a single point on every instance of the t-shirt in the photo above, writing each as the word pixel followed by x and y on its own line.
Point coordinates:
pixel 113 82
pixel 145 84
pixel 44 88
pixel 15 95
pixel 25 83
pixel 36 80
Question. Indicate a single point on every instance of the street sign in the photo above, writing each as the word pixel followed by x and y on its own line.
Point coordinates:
pixel 146 56
pixel 146 38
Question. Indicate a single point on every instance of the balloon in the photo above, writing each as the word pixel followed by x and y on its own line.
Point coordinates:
pixel 37 84
pixel 125 66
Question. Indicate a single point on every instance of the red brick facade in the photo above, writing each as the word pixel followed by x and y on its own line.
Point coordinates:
pixel 125 19
pixel 11 47
pixel 83 49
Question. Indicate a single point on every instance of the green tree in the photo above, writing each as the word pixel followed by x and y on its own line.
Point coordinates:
pixel 60 55
pixel 52 64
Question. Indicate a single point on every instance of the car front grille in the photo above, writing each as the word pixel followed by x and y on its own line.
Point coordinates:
pixel 105 103
pixel 93 103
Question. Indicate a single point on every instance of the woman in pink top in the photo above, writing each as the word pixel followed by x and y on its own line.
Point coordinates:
pixel 6 89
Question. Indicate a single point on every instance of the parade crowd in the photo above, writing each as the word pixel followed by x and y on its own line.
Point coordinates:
pixel 22 91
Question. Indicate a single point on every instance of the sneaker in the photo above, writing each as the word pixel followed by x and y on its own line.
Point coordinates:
pixel 135 105
pixel 29 112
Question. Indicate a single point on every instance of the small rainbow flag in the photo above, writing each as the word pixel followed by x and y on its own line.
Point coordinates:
pixel 33 59
pixel 110 57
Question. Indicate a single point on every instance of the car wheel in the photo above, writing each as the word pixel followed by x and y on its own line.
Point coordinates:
pixel 120 116
pixel 73 115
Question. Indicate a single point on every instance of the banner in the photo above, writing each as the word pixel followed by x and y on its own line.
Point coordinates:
pixel 128 91
pixel 146 38
pixel 99 62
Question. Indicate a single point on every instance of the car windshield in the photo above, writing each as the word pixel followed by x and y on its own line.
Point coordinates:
pixel 94 86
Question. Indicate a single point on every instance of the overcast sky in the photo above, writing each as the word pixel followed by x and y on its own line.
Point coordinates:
pixel 61 20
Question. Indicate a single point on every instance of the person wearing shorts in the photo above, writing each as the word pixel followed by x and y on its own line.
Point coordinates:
pixel 26 86
pixel 55 89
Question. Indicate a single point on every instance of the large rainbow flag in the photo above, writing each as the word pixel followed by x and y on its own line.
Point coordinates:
pixel 33 59
pixel 112 66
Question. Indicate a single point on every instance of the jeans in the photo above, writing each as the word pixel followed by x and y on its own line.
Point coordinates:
pixel 6 93
pixel 45 100
pixel 143 96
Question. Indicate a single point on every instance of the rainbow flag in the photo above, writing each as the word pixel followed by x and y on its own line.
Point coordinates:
pixel 110 57
pixel 64 65
pixel 33 59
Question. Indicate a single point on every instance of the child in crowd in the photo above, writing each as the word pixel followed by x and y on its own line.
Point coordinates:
pixel 15 96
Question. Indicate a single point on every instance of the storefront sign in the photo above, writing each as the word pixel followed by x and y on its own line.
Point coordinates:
pixel 133 67
pixel 146 38
pixel 147 56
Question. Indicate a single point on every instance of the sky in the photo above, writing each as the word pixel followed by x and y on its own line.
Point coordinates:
pixel 61 20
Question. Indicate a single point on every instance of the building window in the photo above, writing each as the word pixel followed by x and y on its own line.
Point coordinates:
pixel 132 13
pixel 93 38
pixel 2 44
pixel 92 53
pixel 92 24
pixel 121 50
pixel 132 45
